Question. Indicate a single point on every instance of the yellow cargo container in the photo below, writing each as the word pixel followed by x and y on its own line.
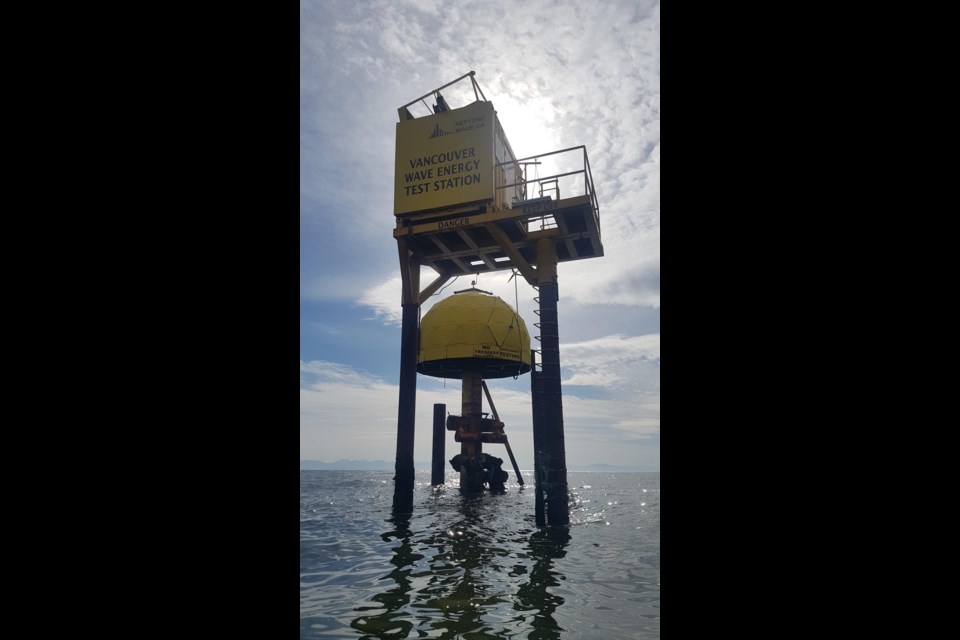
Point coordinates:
pixel 453 158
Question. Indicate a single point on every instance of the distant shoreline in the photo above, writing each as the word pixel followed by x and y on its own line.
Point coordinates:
pixel 383 465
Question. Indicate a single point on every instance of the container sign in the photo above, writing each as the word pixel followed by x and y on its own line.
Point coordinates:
pixel 444 160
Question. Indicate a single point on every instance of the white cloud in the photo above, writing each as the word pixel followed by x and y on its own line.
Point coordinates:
pixel 615 348
pixel 384 300
pixel 613 361
pixel 634 416
pixel 594 82
pixel 345 413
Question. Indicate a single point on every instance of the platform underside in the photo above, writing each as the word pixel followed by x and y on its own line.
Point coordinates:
pixel 480 240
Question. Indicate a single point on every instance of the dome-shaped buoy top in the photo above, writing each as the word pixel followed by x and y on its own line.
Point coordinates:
pixel 473 330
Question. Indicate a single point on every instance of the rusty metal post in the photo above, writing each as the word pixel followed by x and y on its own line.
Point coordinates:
pixel 471 473
pixel 439 428
pixel 506 442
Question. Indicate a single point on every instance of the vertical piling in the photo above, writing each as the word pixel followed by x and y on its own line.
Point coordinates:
pixel 403 481
pixel 471 473
pixel 535 400
pixel 558 513
pixel 406 412
pixel 439 426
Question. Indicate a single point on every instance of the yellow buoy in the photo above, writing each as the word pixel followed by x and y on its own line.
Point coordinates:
pixel 475 331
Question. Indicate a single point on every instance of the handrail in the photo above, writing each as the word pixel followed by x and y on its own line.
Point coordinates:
pixel 544 155
pixel 543 178
pixel 589 187
pixel 470 75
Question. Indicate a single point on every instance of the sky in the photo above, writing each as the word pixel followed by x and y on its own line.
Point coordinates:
pixel 559 74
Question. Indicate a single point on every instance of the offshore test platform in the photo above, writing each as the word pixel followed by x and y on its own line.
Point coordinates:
pixel 464 204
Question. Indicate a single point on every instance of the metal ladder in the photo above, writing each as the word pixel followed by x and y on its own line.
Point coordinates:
pixel 550 184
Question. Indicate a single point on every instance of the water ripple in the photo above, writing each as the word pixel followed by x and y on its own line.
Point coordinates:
pixel 477 567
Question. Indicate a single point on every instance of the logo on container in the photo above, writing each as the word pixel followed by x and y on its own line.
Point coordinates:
pixel 438 132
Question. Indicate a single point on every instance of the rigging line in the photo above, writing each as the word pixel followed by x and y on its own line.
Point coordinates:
pixel 445 286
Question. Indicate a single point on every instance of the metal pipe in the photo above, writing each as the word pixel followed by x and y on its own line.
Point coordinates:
pixel 558 511
pixel 544 155
pixel 543 178
pixel 430 93
pixel 439 426
pixel 535 401
pixel 506 443
pixel 406 411
pixel 471 472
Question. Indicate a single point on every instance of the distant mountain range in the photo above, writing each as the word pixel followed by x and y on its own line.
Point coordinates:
pixel 383 465
pixel 353 465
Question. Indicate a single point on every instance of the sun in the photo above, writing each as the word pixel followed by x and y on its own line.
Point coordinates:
pixel 528 123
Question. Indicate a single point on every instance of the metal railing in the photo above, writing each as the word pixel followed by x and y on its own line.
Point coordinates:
pixel 405 113
pixel 563 183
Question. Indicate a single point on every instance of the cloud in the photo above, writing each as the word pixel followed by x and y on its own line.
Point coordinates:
pixel 636 417
pixel 613 361
pixel 384 300
pixel 342 411
pixel 318 374
pixel 347 413
pixel 592 80
pixel 559 75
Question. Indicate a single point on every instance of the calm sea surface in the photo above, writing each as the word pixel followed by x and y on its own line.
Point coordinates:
pixel 477 567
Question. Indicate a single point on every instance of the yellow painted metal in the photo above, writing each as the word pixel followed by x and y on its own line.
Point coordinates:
pixel 469 330
pixel 445 159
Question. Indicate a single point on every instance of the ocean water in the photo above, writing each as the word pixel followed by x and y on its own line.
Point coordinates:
pixel 477 567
